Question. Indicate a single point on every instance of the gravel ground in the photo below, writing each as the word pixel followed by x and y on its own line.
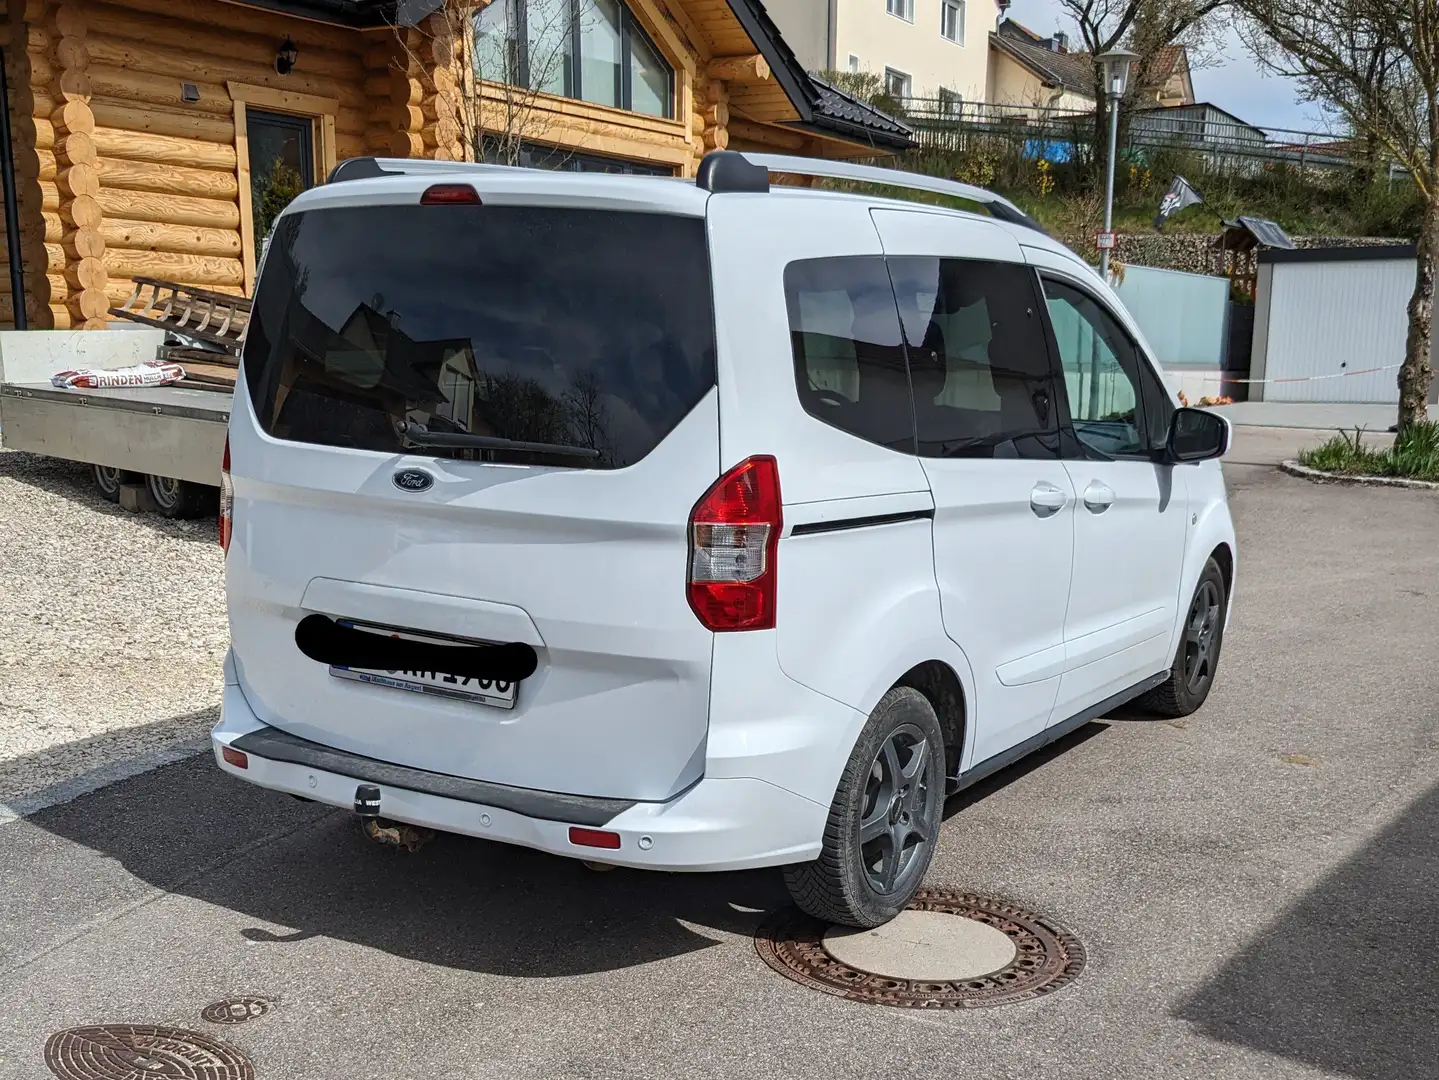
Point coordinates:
pixel 112 627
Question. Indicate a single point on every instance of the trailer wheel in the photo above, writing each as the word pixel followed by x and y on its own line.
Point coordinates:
pixel 109 480
pixel 181 498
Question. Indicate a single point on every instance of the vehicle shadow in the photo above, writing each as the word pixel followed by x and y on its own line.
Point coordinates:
pixel 296 870
pixel 1345 980
pixel 1022 768
pixel 73 481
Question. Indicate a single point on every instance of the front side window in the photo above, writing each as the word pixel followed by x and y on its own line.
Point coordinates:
pixel 593 50
pixel 978 360
pixel 951 20
pixel 1106 379
pixel 589 329
pixel 848 350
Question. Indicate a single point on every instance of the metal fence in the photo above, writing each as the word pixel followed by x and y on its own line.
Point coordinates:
pixel 1224 142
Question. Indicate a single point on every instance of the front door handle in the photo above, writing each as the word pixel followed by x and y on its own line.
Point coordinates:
pixel 1046 499
pixel 1098 497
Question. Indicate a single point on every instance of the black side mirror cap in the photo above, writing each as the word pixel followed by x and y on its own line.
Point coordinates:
pixel 1197 435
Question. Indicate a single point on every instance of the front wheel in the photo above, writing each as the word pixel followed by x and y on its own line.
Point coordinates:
pixel 884 823
pixel 1196 661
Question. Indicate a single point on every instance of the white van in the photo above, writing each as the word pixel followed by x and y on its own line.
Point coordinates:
pixel 697 525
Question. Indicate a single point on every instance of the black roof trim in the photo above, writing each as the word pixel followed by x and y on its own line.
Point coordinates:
pixel 1364 253
pixel 784 65
pixel 360 14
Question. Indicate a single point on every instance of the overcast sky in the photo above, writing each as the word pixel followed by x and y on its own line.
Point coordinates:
pixel 1236 84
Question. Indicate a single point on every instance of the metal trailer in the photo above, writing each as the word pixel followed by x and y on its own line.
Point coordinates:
pixel 167 441
pixel 171 439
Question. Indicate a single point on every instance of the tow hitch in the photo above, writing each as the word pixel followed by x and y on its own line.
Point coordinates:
pixel 382 831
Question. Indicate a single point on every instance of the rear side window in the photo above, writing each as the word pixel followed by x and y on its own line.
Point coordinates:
pixel 978 358
pixel 848 351
pixel 583 328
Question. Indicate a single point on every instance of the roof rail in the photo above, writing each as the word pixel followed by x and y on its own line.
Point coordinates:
pixel 997 205
pixel 367 168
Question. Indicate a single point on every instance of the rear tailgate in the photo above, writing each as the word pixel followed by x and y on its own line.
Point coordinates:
pixel 586 327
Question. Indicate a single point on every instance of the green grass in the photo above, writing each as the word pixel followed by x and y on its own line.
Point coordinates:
pixel 1414 455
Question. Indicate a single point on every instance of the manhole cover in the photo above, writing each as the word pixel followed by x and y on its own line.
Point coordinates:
pixel 919 962
pixel 236 1010
pixel 137 1052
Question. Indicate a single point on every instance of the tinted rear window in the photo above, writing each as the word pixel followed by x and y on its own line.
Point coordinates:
pixel 588 328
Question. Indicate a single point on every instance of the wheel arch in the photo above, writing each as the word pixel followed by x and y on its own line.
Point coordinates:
pixel 943 689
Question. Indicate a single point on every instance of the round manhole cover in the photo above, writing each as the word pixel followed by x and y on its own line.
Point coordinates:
pixel 236 1010
pixel 950 950
pixel 135 1051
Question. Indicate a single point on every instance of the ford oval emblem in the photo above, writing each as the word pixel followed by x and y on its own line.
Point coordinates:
pixel 413 480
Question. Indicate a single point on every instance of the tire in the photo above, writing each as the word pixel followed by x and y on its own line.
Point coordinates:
pixel 109 480
pixel 1196 661
pixel 181 498
pixel 895 795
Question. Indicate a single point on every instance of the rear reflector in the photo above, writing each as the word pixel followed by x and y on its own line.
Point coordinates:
pixel 450 195
pixel 227 501
pixel 594 838
pixel 235 757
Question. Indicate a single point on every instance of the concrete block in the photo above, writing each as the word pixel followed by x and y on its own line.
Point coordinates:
pixel 136 498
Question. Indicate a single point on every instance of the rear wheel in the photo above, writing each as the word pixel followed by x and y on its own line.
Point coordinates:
pixel 1197 659
pixel 180 498
pixel 884 823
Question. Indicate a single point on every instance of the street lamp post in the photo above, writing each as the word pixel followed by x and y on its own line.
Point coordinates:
pixel 1116 77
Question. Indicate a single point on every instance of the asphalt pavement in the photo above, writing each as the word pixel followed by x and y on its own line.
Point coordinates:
pixel 1257 887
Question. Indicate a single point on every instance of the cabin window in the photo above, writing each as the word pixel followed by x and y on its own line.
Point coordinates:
pixel 590 50
pixel 282 163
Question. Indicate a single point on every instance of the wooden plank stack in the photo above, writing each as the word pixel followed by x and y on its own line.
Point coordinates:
pixel 217 319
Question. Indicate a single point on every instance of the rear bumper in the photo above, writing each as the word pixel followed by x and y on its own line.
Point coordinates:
pixel 718 824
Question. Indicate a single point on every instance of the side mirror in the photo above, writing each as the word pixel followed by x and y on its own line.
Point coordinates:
pixel 1197 435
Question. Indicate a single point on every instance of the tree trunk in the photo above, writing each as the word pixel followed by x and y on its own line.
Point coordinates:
pixel 1414 373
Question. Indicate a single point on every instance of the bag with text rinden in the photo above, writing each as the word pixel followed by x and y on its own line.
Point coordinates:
pixel 148 373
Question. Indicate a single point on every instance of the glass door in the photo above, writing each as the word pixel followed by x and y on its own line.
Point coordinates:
pixel 282 164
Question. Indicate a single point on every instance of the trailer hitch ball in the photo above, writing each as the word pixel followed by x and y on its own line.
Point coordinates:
pixel 367 801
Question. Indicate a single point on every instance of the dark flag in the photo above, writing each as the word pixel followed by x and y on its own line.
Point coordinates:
pixel 1180 194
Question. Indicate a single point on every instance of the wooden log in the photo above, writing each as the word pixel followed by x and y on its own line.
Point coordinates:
pixel 84 244
pixel 162 149
pixel 73 116
pixel 181 64
pixel 697 123
pixel 34 260
pixel 49 195
pixel 53 228
pixel 715 92
pixel 159 121
pixel 739 68
pixel 213 47
pixel 41 163
pixel 70 20
pixel 73 86
pixel 716 115
pixel 440 133
pixel 766 135
pixel 86 274
pixel 441 80
pixel 197 269
pixel 122 84
pixel 59 317
pixel 78 180
pixel 441 107
pixel 70 53
pixel 74 148
pixel 37 37
pixel 82 213
pixel 348 146
pixel 406 144
pixel 716 138
pixel 181 239
pixel 41 72
pixel 86 305
pixel 175 209
pixel 44 133
pixel 166 179
pixel 406 117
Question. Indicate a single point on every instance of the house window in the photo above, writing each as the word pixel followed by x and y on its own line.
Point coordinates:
pixel 902 9
pixel 591 50
pixel 951 20
pixel 951 104
pixel 897 84
pixel 853 64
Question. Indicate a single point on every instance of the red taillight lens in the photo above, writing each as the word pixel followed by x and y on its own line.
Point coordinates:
pixel 450 195
pixel 734 542
pixel 227 499
pixel 594 838
pixel 235 757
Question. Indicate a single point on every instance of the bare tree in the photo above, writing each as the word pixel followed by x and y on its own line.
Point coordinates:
pixel 1143 26
pixel 1376 64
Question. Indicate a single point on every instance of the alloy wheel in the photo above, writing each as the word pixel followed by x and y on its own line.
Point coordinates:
pixel 896 823
pixel 1201 638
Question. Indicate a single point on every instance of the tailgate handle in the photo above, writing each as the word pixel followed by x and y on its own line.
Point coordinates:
pixel 327 642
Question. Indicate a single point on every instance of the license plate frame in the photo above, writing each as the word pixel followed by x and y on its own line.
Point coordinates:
pixel 495 694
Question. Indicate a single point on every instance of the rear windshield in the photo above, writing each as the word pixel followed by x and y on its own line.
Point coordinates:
pixel 582 328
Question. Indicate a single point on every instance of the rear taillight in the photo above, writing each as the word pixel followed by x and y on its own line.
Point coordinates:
pixel 227 499
pixel 450 195
pixel 734 541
